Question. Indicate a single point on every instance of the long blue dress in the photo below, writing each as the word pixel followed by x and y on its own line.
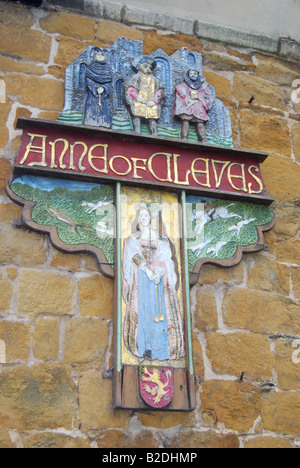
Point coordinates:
pixel 98 74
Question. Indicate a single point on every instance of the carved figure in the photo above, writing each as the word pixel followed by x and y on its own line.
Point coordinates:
pixel 153 327
pixel 144 94
pixel 98 110
pixel 192 101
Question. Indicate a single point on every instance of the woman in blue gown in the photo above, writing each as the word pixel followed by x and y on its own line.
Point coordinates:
pixel 153 326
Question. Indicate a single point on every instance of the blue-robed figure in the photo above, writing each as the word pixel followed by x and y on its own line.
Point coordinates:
pixel 153 324
pixel 98 110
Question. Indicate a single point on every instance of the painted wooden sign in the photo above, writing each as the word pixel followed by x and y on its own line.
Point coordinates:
pixel 139 170
pixel 54 147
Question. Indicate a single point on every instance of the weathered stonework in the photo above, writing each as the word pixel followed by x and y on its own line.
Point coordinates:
pixel 56 309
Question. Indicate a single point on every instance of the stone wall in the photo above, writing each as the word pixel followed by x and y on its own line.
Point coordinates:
pixel 56 309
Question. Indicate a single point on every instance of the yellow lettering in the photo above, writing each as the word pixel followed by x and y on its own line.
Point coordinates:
pixel 218 180
pixel 198 171
pixel 125 159
pixel 104 158
pixel 168 156
pixel 136 167
pixel 72 147
pixel 233 176
pixel 261 187
pixel 31 148
pixel 176 181
pixel 53 154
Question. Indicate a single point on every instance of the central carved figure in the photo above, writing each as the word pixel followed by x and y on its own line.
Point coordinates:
pixel 144 95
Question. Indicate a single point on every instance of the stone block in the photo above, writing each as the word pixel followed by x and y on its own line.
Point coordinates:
pixel 19 42
pixel 169 43
pixel 267 443
pixel 224 62
pixel 287 367
pixel 261 312
pixel 45 292
pixel 86 340
pixel 5 172
pixel 55 440
pixel 265 93
pixel 8 212
pixel 16 336
pixel 234 353
pixel 264 132
pixel 295 272
pixel 46 339
pixel 16 64
pixel 191 438
pixel 109 32
pixel 211 274
pixel 6 293
pixel 266 274
pixel 21 247
pixel 205 315
pixel 16 14
pixel 35 91
pixel 233 403
pixel 221 84
pixel 296 140
pixel 4 133
pixel 39 397
pixel 198 357
pixel 69 24
pixel 96 296
pixel 280 413
pixel 95 404
pixel 275 70
pixel 69 50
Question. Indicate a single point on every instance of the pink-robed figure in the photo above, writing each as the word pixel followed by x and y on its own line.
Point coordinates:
pixel 193 99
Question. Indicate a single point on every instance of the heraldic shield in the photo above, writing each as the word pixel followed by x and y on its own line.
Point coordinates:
pixel 156 385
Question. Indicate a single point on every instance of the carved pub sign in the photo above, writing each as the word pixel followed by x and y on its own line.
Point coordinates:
pixel 139 170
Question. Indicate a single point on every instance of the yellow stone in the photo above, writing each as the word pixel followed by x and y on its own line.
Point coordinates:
pixel 31 90
pixel 16 336
pixel 267 443
pixel 261 312
pixel 264 132
pixel 21 247
pixel 46 339
pixel 9 211
pixel 18 65
pixel 280 413
pixel 4 133
pixel 221 84
pixel 6 293
pixel 296 281
pixel 266 274
pixel 109 32
pixel 45 292
pixel 19 41
pixel 169 43
pixel 16 14
pixel 287 365
pixel 205 314
pixel 296 140
pixel 206 439
pixel 234 353
pixel 235 404
pixel 55 440
pixel 5 171
pixel 40 397
pixel 266 94
pixel 95 404
pixel 86 340
pixel 68 24
pixel 281 176
pixel 277 71
pixel 96 296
